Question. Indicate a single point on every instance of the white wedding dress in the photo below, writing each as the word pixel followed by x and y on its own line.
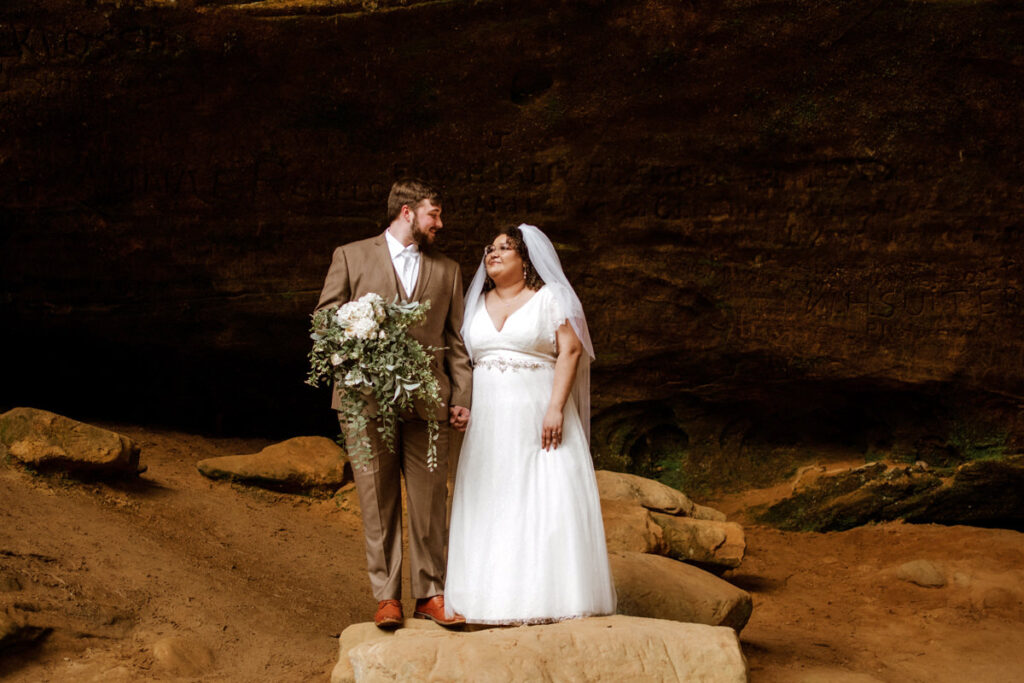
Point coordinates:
pixel 527 542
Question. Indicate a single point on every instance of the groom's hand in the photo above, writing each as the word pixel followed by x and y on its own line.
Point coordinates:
pixel 458 417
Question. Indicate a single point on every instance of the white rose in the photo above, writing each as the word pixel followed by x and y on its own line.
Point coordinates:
pixel 354 310
pixel 345 313
pixel 365 310
pixel 363 328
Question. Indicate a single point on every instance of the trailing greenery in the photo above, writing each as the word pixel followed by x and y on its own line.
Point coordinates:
pixel 364 347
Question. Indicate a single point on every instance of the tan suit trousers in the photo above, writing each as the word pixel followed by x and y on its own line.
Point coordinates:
pixel 380 500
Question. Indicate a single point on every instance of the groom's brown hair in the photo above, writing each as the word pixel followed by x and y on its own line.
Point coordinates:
pixel 410 192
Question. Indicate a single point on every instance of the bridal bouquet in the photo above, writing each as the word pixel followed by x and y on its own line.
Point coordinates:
pixel 364 347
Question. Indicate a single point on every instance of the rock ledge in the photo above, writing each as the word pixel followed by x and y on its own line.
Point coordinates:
pixel 616 648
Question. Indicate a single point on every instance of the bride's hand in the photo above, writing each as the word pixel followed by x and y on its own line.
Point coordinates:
pixel 551 429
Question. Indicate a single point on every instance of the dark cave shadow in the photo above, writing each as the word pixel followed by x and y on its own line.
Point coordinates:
pixel 133 484
pixel 26 650
pixel 752 583
pixel 753 647
pixel 138 486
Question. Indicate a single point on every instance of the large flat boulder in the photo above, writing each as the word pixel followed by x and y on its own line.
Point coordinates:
pixel 718 545
pixel 663 588
pixel 616 648
pixel 47 441
pixel 304 463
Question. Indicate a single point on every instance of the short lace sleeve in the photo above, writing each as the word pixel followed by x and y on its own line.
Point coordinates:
pixel 554 316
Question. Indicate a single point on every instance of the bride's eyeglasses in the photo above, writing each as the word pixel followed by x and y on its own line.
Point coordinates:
pixel 490 248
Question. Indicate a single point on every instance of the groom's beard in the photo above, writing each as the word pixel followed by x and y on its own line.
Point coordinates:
pixel 423 238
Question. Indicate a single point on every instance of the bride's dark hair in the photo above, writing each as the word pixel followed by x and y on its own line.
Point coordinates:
pixel 515 237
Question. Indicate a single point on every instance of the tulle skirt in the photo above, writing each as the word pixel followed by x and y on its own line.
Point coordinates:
pixel 526 543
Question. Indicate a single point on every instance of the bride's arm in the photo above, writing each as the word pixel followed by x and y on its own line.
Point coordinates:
pixel 569 350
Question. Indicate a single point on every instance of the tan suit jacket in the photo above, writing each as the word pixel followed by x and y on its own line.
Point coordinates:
pixel 365 266
pixel 357 269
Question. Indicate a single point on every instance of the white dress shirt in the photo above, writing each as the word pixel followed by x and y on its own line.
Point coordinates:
pixel 406 260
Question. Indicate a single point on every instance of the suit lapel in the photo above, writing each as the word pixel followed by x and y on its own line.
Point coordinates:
pixel 383 262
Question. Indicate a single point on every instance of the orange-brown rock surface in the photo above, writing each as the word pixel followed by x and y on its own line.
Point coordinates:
pixel 302 463
pixel 46 441
pixel 789 223
pixel 615 648
pixel 113 569
pixel 652 553
pixel 982 492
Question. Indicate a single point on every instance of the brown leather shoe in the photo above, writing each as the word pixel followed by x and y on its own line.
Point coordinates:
pixel 389 614
pixel 433 608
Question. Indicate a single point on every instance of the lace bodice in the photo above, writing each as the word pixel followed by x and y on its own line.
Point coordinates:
pixel 528 338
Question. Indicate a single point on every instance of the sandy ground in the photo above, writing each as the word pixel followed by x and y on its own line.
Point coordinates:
pixel 126 573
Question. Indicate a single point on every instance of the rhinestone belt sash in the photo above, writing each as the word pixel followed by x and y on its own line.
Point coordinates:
pixel 504 364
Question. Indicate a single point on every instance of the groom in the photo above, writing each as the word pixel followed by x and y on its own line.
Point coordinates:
pixel 401 261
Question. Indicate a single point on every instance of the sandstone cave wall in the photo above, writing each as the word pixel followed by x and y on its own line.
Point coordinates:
pixel 798 214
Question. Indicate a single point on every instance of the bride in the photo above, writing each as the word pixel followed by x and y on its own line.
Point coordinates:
pixel 527 542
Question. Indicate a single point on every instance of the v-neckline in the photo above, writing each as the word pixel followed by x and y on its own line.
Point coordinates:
pixel 509 316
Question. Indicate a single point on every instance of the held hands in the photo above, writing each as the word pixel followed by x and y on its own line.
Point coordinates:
pixel 458 417
pixel 551 429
